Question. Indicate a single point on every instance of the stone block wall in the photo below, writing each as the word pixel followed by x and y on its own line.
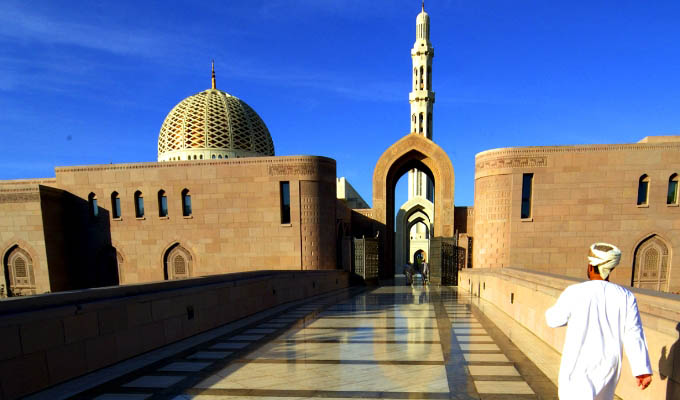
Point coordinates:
pixel 524 296
pixel 51 338
pixel 581 195
pixel 21 224
pixel 235 223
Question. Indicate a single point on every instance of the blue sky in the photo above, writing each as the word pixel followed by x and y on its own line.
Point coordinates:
pixel 91 82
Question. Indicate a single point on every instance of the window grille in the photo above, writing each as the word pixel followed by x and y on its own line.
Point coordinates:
pixel 20 268
pixel 180 265
pixel 651 264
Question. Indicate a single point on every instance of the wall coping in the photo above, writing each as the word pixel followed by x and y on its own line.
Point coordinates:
pixel 582 148
pixel 74 298
pixel 658 305
pixel 198 163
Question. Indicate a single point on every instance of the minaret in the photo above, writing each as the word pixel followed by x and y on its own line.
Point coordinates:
pixel 422 96
pixel 421 99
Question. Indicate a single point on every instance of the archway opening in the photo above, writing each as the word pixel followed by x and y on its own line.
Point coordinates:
pixel 399 239
pixel 411 152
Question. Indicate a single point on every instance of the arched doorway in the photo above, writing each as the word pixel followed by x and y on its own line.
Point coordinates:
pixel 419 257
pixel 177 263
pixel 412 151
pixel 651 264
pixel 18 272
pixel 415 211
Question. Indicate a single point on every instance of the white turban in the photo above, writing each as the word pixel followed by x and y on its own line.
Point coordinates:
pixel 604 260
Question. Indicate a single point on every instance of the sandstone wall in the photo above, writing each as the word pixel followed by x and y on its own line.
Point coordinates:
pixel 51 338
pixel 581 195
pixel 523 296
pixel 21 224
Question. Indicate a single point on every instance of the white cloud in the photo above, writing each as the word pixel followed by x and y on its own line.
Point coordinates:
pixel 25 25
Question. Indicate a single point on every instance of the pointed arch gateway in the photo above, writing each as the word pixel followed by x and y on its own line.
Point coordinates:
pixel 412 151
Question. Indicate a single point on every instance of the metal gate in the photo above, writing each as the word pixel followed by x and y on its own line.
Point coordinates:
pixel 444 261
pixel 366 258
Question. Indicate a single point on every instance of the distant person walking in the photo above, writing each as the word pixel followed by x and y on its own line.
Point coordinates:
pixel 600 317
pixel 409 272
pixel 425 271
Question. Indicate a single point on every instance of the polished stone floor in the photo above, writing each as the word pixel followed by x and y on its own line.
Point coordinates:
pixel 394 342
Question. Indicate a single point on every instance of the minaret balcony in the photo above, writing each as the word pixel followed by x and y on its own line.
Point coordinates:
pixel 421 95
pixel 419 51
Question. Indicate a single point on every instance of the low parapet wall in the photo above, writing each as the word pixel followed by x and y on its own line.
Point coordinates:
pixel 48 339
pixel 524 296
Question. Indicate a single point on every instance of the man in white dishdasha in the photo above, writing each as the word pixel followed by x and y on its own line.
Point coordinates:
pixel 600 317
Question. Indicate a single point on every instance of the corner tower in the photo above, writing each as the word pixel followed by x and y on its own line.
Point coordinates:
pixel 422 96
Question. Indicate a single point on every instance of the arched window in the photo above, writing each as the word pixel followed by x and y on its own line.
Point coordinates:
pixel 421 77
pixel 219 156
pixel 651 264
pixel 162 204
pixel 178 263
pixel 186 203
pixel 643 191
pixel 115 205
pixel 672 190
pixel 420 123
pixel 213 156
pixel 200 156
pixel 18 273
pixel 415 78
pixel 139 204
pixel 92 203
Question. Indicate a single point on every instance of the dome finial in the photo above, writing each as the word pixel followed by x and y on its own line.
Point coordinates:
pixel 423 5
pixel 214 84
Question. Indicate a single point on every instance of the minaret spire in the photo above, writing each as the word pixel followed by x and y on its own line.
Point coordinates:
pixel 214 84
pixel 422 96
pixel 421 99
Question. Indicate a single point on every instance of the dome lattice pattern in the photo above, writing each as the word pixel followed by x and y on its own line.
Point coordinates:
pixel 214 120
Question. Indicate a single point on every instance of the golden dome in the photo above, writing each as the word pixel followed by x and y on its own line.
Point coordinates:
pixel 213 124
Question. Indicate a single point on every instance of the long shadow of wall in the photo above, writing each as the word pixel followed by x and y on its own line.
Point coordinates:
pixel 78 243
pixel 669 369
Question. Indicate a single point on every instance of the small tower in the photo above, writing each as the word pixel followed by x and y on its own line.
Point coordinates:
pixel 422 96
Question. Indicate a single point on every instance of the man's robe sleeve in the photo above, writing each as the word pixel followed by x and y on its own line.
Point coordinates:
pixel 634 341
pixel 558 315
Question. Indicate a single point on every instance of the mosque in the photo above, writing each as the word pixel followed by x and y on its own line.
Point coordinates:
pixel 220 201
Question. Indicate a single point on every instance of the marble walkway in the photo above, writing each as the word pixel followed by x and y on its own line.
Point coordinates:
pixel 392 342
